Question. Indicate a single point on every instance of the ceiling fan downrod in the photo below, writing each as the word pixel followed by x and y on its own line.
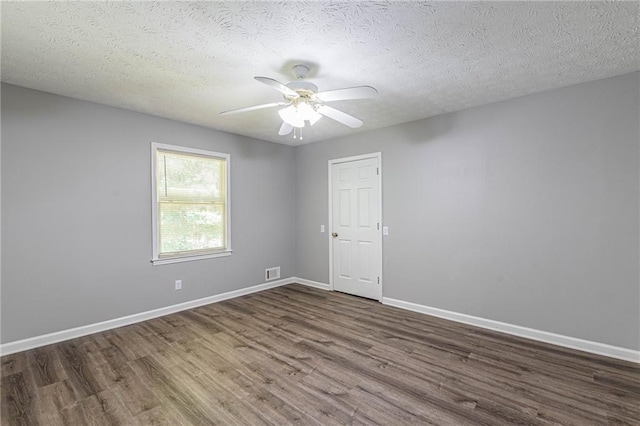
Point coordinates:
pixel 300 71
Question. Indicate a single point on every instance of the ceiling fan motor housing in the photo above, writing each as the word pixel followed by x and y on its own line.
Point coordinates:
pixel 304 89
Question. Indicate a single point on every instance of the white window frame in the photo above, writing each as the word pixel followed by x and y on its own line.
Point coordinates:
pixel 156 260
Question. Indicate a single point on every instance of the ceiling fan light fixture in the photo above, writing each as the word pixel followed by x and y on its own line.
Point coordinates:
pixel 296 115
pixel 308 113
pixel 290 115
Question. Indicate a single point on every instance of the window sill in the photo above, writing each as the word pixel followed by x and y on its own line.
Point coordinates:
pixel 168 260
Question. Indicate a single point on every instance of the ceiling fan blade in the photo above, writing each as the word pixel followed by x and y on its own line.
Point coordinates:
pixel 253 108
pixel 278 86
pixel 358 92
pixel 339 116
pixel 285 129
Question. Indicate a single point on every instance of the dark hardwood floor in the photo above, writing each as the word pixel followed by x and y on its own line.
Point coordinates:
pixel 296 355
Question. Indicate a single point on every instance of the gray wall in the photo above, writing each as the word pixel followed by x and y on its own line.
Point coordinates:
pixel 76 214
pixel 524 211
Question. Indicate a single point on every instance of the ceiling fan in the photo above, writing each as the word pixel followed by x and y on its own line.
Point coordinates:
pixel 303 103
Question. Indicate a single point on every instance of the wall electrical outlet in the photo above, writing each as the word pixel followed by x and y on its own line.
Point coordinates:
pixel 178 285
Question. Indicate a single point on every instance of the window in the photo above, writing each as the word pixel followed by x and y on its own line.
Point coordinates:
pixel 190 211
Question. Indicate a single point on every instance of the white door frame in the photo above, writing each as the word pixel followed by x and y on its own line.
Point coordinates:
pixel 377 155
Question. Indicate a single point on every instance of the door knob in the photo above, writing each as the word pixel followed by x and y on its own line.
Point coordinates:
pixel 334 235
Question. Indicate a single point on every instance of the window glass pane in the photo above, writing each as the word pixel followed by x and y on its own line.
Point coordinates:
pixel 183 177
pixel 185 227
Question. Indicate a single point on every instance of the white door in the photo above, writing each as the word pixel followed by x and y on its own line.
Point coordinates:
pixel 356 252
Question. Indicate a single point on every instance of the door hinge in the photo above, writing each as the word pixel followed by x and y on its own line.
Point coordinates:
pixel 378 226
pixel 378 170
pixel 378 280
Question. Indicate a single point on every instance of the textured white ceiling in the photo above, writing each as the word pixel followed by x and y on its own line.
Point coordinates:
pixel 191 60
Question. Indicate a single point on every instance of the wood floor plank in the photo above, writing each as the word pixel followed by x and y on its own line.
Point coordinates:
pixel 158 416
pixel 133 393
pixel 172 392
pixel 12 364
pixel 51 400
pixel 45 366
pixel 18 400
pixel 78 368
pixel 298 355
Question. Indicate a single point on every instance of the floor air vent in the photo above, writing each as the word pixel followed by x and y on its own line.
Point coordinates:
pixel 272 273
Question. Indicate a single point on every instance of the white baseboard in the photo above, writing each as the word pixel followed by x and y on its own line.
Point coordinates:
pixel 314 284
pixel 72 333
pixel 529 333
